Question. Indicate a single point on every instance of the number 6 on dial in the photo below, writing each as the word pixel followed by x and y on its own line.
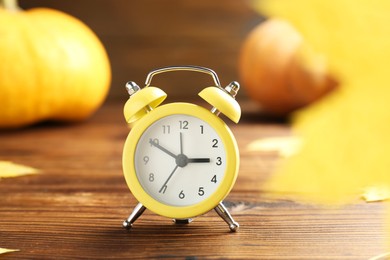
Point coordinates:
pixel 180 160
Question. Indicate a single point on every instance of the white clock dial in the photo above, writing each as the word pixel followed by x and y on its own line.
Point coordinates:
pixel 180 160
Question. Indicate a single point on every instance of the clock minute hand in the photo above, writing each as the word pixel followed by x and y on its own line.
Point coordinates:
pixel 162 148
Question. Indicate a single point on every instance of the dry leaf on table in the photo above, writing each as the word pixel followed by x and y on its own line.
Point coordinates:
pixel 5 250
pixel 10 169
pixel 376 193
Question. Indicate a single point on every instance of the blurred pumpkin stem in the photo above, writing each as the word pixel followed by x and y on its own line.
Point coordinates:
pixel 10 5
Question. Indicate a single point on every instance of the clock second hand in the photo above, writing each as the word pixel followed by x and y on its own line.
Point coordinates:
pixel 163 187
pixel 169 177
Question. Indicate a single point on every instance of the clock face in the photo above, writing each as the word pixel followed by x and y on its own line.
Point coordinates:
pixel 180 160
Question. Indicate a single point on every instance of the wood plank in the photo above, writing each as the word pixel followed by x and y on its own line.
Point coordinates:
pixel 75 207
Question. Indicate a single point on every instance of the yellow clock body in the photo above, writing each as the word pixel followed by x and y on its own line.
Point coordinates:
pixel 180 160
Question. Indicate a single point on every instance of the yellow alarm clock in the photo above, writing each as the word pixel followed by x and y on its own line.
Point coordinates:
pixel 180 160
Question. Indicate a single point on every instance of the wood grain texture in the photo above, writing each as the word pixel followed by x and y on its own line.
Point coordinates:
pixel 142 35
pixel 75 207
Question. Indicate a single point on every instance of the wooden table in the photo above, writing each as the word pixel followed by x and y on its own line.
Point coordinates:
pixel 75 207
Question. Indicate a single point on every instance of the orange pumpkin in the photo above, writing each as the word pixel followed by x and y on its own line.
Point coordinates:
pixel 52 67
pixel 274 72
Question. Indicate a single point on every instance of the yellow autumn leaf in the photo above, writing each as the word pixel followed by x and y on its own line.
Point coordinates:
pixel 10 169
pixel 5 250
pixel 284 146
pixel 352 35
pixel 346 135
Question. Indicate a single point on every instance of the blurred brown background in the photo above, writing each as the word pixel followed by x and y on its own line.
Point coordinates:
pixel 142 35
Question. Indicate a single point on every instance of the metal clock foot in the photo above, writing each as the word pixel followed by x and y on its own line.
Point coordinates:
pixel 225 215
pixel 138 210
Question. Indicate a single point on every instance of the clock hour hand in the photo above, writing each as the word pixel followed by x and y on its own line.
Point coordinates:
pixel 162 148
pixel 198 160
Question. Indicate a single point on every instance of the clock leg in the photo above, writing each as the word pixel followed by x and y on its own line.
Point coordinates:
pixel 225 215
pixel 138 210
